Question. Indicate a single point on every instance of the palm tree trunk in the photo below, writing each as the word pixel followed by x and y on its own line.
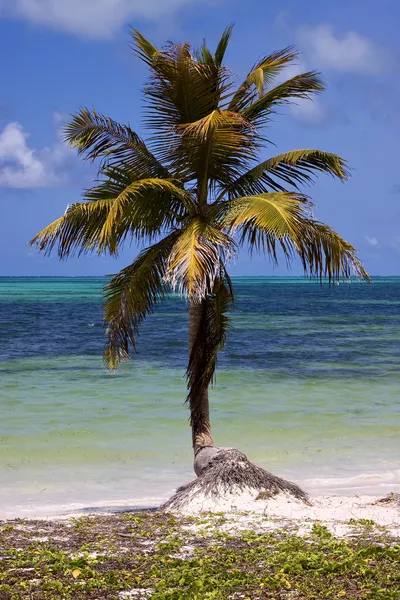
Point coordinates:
pixel 199 406
pixel 221 472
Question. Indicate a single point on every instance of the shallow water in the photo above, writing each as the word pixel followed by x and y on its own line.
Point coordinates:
pixel 308 386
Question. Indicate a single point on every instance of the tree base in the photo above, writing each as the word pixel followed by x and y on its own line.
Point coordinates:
pixel 227 480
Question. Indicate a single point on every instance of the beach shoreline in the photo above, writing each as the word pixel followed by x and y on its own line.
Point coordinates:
pixel 47 498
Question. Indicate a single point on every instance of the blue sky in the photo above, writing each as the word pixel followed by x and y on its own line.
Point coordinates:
pixel 59 55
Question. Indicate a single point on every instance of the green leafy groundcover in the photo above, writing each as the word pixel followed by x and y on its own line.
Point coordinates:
pixel 158 557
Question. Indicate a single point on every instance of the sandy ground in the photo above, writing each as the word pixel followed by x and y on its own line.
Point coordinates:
pixel 338 513
pixel 119 538
pixel 244 511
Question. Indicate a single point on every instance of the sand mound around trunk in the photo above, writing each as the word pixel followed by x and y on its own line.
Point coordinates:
pixel 228 481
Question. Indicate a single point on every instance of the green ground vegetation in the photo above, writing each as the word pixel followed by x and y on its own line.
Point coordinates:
pixel 160 557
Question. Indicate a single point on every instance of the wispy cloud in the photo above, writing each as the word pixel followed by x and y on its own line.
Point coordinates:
pixel 348 52
pixel 90 18
pixel 309 111
pixel 372 241
pixel 22 166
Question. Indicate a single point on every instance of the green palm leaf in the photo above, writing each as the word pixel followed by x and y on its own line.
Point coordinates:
pixel 204 54
pixel 76 232
pixel 303 86
pixel 180 90
pixel 284 219
pixel 262 74
pixel 290 168
pixel 131 295
pixel 223 45
pixel 194 262
pixel 144 208
pixel 325 254
pixel 266 219
pixel 217 148
pixel 144 49
pixel 98 136
pixel 116 209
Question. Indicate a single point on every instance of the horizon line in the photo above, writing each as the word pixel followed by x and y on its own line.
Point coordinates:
pixel 232 277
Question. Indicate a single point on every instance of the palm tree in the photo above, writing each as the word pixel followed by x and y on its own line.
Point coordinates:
pixel 195 193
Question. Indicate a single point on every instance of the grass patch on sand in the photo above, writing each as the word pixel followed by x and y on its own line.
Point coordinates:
pixel 159 557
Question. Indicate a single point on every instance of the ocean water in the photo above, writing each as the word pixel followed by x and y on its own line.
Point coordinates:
pixel 308 386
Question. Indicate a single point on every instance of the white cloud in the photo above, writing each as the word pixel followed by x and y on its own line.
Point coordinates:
pixel 24 167
pixel 349 52
pixel 92 18
pixel 372 241
pixel 309 111
pixel 282 20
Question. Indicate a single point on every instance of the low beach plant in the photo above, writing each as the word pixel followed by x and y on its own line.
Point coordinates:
pixel 115 557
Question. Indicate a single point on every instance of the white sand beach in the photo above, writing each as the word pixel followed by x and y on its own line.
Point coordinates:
pixel 243 512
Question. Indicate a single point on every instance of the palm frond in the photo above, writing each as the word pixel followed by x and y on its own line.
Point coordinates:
pixel 182 90
pixel 261 75
pixel 194 262
pixel 216 149
pixel 216 119
pixel 290 168
pixel 324 253
pixel 143 208
pixel 223 45
pixel 98 136
pixel 283 219
pixel 143 48
pixel 130 296
pixel 266 220
pixel 115 209
pixel 76 232
pixel 204 56
pixel 305 85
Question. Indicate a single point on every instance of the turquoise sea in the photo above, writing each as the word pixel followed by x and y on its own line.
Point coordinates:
pixel 308 386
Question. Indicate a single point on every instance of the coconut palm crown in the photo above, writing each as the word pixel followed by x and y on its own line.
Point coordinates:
pixel 195 193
